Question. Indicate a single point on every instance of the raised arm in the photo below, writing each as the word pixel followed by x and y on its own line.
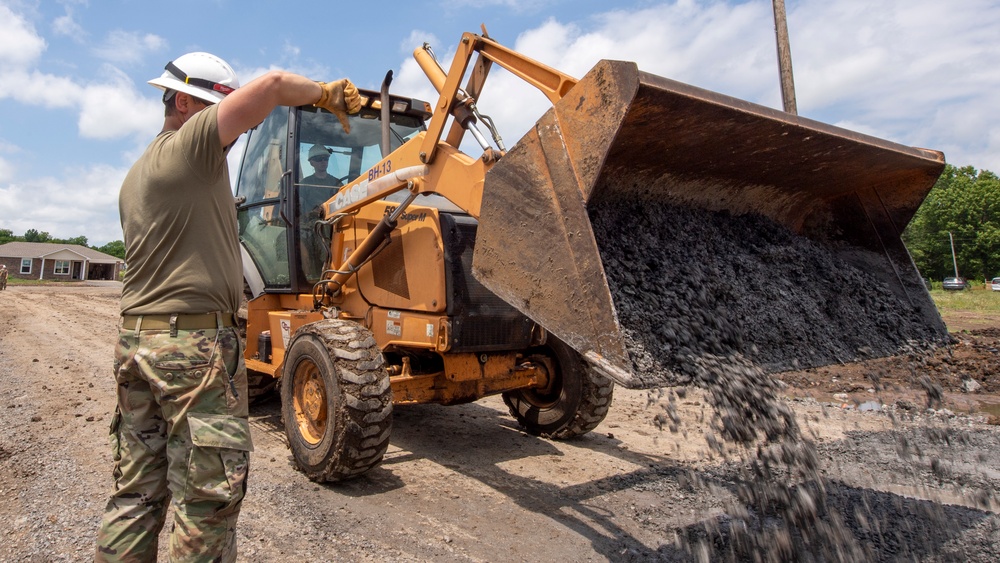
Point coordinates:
pixel 249 105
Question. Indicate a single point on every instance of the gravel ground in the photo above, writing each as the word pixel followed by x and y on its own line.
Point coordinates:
pixel 463 483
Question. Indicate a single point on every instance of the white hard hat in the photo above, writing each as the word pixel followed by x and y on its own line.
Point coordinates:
pixel 319 150
pixel 202 75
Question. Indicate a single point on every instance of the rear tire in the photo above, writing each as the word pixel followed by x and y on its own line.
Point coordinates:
pixel 336 400
pixel 260 386
pixel 574 403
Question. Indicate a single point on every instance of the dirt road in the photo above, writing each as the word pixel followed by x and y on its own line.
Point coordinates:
pixel 464 483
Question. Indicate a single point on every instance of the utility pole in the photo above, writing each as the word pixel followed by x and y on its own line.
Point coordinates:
pixel 784 58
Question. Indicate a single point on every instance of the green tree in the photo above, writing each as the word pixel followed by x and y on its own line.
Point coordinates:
pixel 6 235
pixel 32 235
pixel 81 240
pixel 964 203
pixel 114 248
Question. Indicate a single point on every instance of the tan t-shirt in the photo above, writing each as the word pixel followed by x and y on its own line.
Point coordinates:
pixel 179 219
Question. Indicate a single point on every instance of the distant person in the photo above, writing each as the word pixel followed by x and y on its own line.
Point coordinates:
pixel 180 434
pixel 3 277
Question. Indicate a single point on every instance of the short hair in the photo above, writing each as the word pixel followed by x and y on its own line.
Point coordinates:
pixel 169 102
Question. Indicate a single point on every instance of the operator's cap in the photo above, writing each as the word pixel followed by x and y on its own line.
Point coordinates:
pixel 319 150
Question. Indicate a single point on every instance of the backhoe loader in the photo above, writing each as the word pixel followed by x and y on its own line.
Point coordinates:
pixel 421 274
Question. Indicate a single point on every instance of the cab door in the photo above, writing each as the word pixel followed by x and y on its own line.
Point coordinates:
pixel 261 188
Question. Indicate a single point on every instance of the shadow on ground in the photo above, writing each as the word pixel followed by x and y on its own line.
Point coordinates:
pixel 689 521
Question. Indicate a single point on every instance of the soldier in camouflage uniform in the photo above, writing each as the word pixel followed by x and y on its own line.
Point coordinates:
pixel 180 428
pixel 180 434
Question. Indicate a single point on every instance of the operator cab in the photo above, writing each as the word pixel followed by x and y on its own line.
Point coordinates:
pixel 278 181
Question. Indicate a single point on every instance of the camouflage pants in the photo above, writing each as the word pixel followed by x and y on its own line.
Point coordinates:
pixel 179 435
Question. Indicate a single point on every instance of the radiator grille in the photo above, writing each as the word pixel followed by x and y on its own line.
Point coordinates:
pixel 481 321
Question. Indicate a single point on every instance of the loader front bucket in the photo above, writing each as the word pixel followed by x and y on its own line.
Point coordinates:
pixel 624 149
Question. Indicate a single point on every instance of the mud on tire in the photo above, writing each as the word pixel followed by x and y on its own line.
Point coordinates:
pixel 336 400
pixel 574 403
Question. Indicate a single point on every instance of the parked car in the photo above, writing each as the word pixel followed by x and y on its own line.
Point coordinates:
pixel 995 284
pixel 954 284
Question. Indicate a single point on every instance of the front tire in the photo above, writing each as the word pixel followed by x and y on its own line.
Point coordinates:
pixel 576 400
pixel 336 400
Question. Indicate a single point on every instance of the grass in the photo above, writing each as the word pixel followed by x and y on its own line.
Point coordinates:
pixel 970 300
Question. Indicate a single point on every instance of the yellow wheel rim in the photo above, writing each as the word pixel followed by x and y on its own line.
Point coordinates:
pixel 309 399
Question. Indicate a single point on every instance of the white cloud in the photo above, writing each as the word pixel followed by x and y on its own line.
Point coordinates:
pixel 6 171
pixel 20 45
pixel 921 72
pixel 289 63
pixel 291 51
pixel 108 109
pixel 127 47
pixel 40 89
pixel 82 202
pixel 291 58
pixel 417 38
pixel 66 26
pixel 246 74
pixel 918 72
pixel 114 109
pixel 20 49
pixel 720 47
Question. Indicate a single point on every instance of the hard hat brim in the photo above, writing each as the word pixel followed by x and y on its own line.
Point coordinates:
pixel 171 83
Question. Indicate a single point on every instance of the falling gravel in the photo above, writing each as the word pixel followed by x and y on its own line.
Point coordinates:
pixel 720 301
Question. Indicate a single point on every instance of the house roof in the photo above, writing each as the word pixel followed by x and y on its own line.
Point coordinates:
pixel 44 249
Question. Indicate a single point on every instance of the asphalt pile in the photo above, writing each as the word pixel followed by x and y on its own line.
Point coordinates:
pixel 690 282
pixel 720 301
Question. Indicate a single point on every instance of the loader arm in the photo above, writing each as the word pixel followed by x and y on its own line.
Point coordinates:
pixel 413 165
pixel 425 164
pixel 452 101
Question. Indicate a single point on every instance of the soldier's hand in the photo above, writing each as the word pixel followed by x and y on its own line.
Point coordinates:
pixel 340 98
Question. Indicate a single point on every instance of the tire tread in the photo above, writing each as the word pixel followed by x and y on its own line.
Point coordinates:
pixel 366 396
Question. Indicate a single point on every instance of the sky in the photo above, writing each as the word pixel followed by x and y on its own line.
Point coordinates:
pixel 75 109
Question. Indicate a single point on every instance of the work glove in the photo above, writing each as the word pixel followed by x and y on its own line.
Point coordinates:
pixel 340 98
